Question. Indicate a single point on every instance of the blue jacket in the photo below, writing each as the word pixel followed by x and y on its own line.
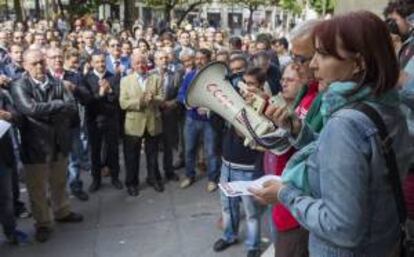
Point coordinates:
pixel 191 113
pixel 351 211
pixel 12 71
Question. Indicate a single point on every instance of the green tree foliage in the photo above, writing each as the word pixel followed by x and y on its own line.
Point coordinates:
pixel 323 6
pixel 82 7
pixel 295 6
pixel 18 10
pixel 168 5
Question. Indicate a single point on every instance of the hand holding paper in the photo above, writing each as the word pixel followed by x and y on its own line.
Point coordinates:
pixel 240 188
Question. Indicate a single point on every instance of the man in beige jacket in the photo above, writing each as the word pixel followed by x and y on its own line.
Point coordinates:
pixel 140 96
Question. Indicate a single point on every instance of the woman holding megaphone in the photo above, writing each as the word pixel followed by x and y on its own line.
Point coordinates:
pixel 343 185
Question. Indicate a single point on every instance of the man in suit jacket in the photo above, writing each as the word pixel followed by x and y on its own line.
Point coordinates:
pixel 141 96
pixel 7 164
pixel 89 38
pixel 169 113
pixel 47 107
pixel 102 119
pixel 113 59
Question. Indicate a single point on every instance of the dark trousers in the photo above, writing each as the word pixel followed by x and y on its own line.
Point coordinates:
pixel 97 137
pixel 292 243
pixel 167 146
pixel 18 205
pixel 132 151
pixel 7 219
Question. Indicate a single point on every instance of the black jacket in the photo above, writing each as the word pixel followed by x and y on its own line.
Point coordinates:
pixel 45 128
pixel 6 146
pixel 101 111
pixel 81 94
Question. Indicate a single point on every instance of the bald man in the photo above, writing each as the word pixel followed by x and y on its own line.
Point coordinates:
pixel 45 138
pixel 141 96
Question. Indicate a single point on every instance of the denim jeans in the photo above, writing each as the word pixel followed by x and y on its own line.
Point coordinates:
pixel 193 129
pixel 7 219
pixel 78 158
pixel 231 211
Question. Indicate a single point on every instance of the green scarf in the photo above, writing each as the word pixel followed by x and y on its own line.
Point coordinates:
pixel 334 99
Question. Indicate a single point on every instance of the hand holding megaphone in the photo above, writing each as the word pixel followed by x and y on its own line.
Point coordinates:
pixel 282 117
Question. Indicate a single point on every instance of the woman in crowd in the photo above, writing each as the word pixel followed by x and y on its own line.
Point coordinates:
pixel 291 239
pixel 345 199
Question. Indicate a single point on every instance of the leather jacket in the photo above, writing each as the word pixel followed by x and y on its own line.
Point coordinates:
pixel 47 112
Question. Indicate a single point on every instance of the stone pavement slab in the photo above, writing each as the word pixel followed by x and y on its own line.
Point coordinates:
pixel 176 223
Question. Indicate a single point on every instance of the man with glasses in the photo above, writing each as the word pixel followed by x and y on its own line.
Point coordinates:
pixel 48 108
pixel 71 80
pixel 302 51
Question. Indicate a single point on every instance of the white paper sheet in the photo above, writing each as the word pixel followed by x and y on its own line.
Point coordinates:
pixel 239 188
pixel 4 127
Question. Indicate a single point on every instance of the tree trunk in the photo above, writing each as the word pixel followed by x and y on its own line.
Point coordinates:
pixel 167 13
pixel 189 9
pixel 60 5
pixel 127 14
pixel 250 22
pixel 18 10
pixel 37 8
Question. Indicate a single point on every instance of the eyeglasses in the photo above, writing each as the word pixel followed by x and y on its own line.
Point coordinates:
pixel 300 59
pixel 56 57
pixel 41 62
pixel 287 80
pixel 115 45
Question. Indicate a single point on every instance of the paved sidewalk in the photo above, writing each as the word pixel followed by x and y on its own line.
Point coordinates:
pixel 176 223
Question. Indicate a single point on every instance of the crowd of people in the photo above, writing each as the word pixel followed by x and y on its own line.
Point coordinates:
pixel 71 99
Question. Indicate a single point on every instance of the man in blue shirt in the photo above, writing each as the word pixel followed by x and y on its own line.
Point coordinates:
pixel 198 123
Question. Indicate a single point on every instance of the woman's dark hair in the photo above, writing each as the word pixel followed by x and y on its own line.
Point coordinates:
pixel 282 41
pixel 207 53
pixel 142 40
pixel 258 73
pixel 403 8
pixel 235 42
pixel 364 34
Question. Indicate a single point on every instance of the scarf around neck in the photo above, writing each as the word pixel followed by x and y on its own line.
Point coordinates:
pixel 334 99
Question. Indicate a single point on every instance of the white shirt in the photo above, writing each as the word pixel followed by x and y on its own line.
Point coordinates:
pixel 142 81
pixel 41 84
pixel 98 74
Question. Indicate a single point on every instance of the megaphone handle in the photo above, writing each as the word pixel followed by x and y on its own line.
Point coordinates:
pixel 260 141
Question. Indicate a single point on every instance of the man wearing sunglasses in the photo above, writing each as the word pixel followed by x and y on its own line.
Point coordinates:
pixel 113 59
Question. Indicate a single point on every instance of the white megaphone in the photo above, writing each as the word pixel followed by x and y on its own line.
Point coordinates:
pixel 211 89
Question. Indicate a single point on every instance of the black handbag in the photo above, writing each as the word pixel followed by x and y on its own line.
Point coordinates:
pixel 407 242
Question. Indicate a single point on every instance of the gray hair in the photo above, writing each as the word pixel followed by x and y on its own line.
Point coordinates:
pixel 158 53
pixel 187 52
pixel 303 30
pixel 31 51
